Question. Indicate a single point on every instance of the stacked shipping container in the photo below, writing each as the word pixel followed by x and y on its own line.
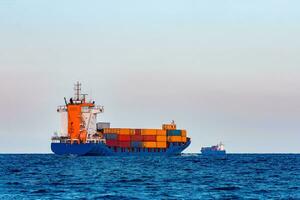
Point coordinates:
pixel 176 136
pixel 143 138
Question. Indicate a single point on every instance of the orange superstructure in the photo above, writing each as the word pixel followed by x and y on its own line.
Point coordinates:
pixel 76 125
pixel 80 117
pixel 74 121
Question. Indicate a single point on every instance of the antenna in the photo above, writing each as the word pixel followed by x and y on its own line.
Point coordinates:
pixel 84 97
pixel 77 90
pixel 66 101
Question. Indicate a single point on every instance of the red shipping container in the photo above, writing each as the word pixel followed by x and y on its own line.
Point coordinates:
pixel 136 138
pixel 124 144
pixel 112 143
pixel 137 131
pixel 124 138
pixel 149 138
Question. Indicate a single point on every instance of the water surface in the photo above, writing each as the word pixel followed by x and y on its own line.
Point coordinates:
pixel 237 176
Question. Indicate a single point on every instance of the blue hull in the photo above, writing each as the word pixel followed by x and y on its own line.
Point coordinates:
pixel 213 153
pixel 101 149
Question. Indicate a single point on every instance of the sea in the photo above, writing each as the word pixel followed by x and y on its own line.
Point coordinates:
pixel 189 176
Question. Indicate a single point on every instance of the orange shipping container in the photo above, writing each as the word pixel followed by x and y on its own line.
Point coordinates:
pixel 149 144
pixel 105 130
pixel 174 139
pixel 161 138
pixel 183 139
pixel 183 133
pixel 161 132
pixel 109 130
pixel 124 131
pixel 161 144
pixel 169 126
pixel 148 132
pixel 131 131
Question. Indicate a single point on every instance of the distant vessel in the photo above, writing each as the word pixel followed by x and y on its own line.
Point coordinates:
pixel 216 150
pixel 81 134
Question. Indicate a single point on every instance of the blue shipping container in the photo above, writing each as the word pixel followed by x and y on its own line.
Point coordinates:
pixel 173 132
pixel 111 136
pixel 136 144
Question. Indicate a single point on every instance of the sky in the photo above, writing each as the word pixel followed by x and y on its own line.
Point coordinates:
pixel 225 70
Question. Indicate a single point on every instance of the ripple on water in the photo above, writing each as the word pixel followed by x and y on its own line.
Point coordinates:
pixel 182 177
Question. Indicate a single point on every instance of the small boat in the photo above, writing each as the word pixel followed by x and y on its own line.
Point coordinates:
pixel 216 150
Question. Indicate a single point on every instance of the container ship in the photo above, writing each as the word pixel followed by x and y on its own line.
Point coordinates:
pixel 81 135
pixel 216 150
